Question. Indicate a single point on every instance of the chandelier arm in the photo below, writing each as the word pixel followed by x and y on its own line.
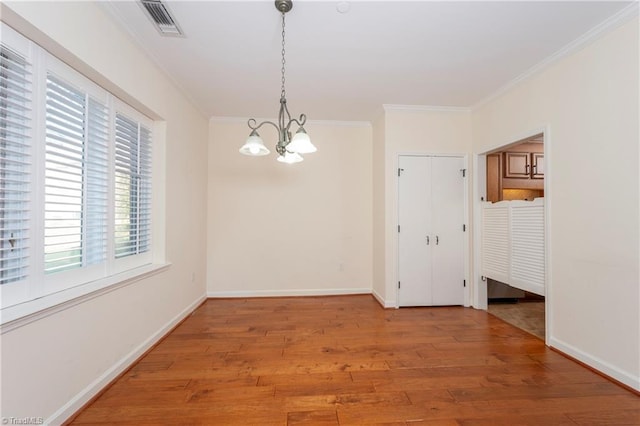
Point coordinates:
pixel 300 121
pixel 256 127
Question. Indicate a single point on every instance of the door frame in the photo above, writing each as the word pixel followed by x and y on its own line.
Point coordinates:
pixel 479 298
pixel 466 216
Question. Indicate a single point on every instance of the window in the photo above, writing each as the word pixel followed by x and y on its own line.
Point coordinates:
pixel 15 164
pixel 75 178
pixel 75 168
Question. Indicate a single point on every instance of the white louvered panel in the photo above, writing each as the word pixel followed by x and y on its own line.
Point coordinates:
pixel 76 178
pixel 145 189
pixel 527 248
pixel 132 187
pixel 15 165
pixel 64 164
pixel 96 183
pixel 495 242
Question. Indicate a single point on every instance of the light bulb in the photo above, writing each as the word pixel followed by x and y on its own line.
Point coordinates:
pixel 254 149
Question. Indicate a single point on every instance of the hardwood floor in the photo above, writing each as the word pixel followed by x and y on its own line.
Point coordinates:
pixel 345 361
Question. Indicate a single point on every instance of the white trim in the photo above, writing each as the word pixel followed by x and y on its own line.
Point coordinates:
pixel 338 123
pixel 479 193
pixel 424 108
pixel 288 293
pixel 467 237
pixel 590 36
pixel 384 303
pixel 610 370
pixel 84 396
pixel 335 123
pixel 548 281
pixel 480 287
pixel 16 316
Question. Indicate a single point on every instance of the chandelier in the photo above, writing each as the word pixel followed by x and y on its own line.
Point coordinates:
pixel 288 148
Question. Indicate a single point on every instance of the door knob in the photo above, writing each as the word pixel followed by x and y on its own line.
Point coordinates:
pixel 437 240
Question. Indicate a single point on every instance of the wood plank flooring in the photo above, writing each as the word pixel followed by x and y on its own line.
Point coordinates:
pixel 346 361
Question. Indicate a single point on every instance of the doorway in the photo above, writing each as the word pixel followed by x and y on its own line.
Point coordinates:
pixel 515 173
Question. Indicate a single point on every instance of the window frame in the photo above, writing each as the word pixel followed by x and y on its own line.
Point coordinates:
pixel 41 293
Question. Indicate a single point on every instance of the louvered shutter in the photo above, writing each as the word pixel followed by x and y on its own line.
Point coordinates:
pixel 15 165
pixel 76 178
pixel 132 187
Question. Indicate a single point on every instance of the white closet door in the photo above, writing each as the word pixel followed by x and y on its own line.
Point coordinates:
pixel 447 201
pixel 414 213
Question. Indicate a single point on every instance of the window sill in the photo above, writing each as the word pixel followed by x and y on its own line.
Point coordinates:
pixel 19 315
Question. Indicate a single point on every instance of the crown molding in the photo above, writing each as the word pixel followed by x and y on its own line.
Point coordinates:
pixel 338 123
pixel 424 108
pixel 332 123
pixel 590 36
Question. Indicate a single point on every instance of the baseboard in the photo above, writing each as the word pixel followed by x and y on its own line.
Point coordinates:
pixel 603 367
pixel 385 304
pixel 84 396
pixel 291 292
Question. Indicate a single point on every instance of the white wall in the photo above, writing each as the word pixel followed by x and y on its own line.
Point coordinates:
pixel 589 103
pixel 290 229
pixel 51 366
pixel 414 131
pixel 378 205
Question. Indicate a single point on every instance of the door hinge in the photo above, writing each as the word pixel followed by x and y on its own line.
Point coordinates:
pixel 464 283
pixel 464 172
pixel 398 228
pixel 400 170
pixel 398 284
pixel 464 228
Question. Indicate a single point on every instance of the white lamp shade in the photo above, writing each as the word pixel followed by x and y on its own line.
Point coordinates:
pixel 290 157
pixel 301 143
pixel 254 146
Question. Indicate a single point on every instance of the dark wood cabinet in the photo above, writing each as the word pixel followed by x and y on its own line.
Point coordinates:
pixel 494 177
pixel 518 169
pixel 537 165
pixel 517 165
pixel 524 165
pixel 517 172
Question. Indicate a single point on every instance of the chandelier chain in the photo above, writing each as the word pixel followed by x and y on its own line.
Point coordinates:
pixel 288 147
pixel 283 93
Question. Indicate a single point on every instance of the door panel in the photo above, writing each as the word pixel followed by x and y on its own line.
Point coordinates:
pixel 431 238
pixel 447 201
pixel 414 215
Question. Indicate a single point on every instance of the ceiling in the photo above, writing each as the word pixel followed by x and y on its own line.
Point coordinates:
pixel 345 66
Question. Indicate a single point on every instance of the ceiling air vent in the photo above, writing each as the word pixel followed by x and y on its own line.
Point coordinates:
pixel 161 17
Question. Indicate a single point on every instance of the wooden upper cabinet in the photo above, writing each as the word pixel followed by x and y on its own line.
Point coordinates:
pixel 494 177
pixel 517 165
pixel 537 165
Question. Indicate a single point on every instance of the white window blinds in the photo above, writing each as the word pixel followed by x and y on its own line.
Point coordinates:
pixel 15 164
pixel 76 178
pixel 132 187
